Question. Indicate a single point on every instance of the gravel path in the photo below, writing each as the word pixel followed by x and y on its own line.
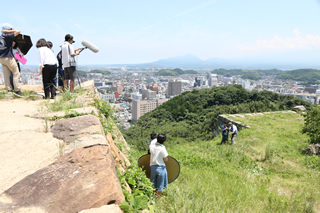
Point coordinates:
pixel 24 145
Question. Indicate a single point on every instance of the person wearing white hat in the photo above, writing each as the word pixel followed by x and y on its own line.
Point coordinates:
pixel 7 59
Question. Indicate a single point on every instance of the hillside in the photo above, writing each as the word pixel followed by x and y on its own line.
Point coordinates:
pixel 243 72
pixel 175 72
pixel 264 172
pixel 311 75
pixel 193 115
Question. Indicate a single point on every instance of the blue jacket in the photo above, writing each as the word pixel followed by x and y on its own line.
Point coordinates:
pixel 225 133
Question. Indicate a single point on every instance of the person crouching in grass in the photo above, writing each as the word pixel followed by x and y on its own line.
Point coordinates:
pixel 158 158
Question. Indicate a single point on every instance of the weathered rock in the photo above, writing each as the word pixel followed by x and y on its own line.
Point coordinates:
pixel 86 141
pixel 89 85
pixel 84 110
pixel 71 129
pixel 83 179
pixel 299 108
pixel 104 209
pixel 121 161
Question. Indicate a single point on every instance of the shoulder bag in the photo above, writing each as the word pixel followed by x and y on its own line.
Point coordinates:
pixel 72 60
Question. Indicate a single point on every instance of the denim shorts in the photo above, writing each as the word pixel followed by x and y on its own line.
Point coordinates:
pixel 159 177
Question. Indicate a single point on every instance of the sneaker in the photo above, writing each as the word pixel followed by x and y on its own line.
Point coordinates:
pixel 18 94
pixel 10 92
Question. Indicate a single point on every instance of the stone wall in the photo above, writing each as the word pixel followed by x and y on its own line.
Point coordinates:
pixel 83 177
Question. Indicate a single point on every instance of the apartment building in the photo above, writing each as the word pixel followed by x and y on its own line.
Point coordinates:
pixel 141 107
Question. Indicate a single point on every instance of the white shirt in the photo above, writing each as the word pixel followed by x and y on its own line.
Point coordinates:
pixel 66 51
pixel 234 129
pixel 153 142
pixel 158 152
pixel 46 56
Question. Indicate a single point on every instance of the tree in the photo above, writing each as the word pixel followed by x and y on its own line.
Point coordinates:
pixel 312 124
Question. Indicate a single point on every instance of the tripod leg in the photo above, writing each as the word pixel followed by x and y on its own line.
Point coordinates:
pixel 79 81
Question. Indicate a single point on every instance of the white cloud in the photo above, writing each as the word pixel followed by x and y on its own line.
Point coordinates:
pixel 297 42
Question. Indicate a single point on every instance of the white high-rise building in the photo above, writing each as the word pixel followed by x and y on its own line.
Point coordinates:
pixel 174 88
pixel 212 80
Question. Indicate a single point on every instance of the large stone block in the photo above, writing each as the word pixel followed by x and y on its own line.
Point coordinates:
pixel 83 179
pixel 70 129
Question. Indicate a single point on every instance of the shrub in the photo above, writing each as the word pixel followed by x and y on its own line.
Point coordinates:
pixel 141 188
pixel 312 124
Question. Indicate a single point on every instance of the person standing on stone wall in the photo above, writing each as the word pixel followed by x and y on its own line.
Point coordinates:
pixel 9 64
pixel 224 130
pixel 68 54
pixel 47 67
pixel 233 132
pixel 15 50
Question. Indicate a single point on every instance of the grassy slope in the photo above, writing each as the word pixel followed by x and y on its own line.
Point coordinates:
pixel 263 172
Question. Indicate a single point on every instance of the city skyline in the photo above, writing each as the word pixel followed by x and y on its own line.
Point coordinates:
pixel 142 31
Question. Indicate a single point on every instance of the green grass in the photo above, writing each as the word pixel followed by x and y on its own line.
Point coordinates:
pixel 30 95
pixel 66 101
pixel 3 93
pixel 264 172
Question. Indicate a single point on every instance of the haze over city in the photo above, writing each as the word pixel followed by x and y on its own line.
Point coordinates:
pixel 131 32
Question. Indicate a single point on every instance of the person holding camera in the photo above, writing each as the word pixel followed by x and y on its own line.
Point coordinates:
pixel 233 132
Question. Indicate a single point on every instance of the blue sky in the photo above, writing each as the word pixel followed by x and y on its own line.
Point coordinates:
pixel 144 30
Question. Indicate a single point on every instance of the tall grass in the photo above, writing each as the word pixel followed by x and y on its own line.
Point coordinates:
pixel 66 101
pixel 264 172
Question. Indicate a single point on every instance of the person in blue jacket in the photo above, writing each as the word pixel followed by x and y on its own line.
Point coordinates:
pixel 224 130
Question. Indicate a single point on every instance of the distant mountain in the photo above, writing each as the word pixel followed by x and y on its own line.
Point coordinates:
pixel 190 61
pixel 179 61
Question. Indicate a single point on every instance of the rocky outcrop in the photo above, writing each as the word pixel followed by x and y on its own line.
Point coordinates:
pixel 312 149
pixel 83 110
pixel 104 209
pixel 83 179
pixel 299 108
pixel 71 129
pixel 120 159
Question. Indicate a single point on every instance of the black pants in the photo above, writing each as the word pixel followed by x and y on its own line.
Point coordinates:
pixel 60 76
pixel 49 73
pixel 224 139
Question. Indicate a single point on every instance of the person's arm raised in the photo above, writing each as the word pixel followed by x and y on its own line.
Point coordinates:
pixel 16 32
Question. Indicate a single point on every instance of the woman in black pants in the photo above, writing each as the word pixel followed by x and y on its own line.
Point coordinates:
pixel 48 68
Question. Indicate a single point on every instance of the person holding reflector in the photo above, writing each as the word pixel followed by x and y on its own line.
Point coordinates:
pixel 158 158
